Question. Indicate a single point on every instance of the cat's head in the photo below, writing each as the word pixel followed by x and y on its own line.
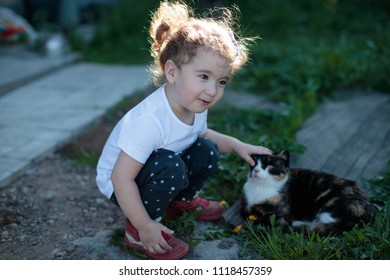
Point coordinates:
pixel 270 167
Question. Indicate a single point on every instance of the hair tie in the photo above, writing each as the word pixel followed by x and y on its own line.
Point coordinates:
pixel 234 43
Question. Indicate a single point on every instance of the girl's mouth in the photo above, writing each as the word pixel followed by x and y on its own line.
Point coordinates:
pixel 204 102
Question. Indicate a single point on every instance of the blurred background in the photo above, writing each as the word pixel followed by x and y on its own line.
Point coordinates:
pixel 305 51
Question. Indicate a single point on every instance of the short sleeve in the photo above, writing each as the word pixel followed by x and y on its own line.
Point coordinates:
pixel 140 137
pixel 203 123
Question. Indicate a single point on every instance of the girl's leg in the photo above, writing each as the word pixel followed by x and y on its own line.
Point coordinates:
pixel 161 179
pixel 201 159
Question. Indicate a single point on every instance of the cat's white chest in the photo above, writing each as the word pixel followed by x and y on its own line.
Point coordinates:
pixel 257 192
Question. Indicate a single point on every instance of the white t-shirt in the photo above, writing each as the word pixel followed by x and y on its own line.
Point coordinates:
pixel 148 126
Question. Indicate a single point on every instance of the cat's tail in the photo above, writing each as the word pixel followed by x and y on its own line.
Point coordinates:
pixel 317 227
pixel 337 228
pixel 328 228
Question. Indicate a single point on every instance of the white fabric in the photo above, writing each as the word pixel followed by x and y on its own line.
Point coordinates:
pixel 148 126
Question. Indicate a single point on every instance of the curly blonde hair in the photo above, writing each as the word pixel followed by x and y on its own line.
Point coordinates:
pixel 176 34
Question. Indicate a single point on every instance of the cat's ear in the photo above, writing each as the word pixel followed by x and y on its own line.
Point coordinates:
pixel 255 158
pixel 284 155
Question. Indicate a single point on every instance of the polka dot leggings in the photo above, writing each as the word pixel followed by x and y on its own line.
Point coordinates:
pixel 166 176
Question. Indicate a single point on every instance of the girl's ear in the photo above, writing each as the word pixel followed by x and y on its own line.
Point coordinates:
pixel 170 71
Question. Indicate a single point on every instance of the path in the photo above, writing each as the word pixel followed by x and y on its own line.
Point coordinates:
pixel 349 138
pixel 47 101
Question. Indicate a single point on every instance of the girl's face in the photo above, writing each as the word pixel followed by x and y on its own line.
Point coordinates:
pixel 198 85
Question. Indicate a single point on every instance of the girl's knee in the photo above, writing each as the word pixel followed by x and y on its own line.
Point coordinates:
pixel 206 149
pixel 202 157
pixel 164 167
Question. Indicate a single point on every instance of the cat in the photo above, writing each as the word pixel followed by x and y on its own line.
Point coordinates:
pixel 302 198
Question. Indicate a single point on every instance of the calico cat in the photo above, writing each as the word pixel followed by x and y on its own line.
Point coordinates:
pixel 314 200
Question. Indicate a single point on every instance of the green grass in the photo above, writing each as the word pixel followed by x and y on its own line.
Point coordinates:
pixel 121 34
pixel 83 157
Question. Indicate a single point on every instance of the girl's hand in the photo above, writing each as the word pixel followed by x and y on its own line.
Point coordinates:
pixel 152 239
pixel 245 151
pixel 228 144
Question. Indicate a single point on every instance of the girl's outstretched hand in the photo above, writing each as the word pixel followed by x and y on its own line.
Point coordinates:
pixel 245 151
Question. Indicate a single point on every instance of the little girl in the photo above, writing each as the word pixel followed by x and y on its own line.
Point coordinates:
pixel 159 155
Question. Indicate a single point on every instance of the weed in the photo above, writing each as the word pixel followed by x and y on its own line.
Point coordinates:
pixel 183 226
pixel 273 243
pixel 83 157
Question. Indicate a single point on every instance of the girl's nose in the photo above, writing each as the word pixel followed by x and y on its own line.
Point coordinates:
pixel 211 90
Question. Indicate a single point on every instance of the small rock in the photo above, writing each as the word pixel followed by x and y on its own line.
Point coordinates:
pixel 70 248
pixel 209 250
pixel 61 254
pixel 100 201
pixel 110 220
pixel 226 244
pixel 5 235
pixel 47 195
pixel 13 225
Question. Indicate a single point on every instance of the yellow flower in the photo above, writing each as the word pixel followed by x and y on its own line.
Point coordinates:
pixel 223 203
pixel 237 228
pixel 252 218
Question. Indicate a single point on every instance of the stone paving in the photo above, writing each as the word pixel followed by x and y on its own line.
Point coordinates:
pixel 41 114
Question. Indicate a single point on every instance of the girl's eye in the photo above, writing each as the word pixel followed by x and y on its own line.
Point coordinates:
pixel 203 77
pixel 223 83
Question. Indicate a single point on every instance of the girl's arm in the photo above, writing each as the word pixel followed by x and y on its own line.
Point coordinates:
pixel 229 144
pixel 127 193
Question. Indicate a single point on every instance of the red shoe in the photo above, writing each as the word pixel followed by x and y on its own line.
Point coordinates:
pixel 179 247
pixel 211 210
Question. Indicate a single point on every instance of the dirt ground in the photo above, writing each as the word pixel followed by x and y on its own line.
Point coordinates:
pixel 44 211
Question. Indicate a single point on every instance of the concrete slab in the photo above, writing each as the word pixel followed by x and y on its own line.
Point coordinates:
pixel 20 65
pixel 349 138
pixel 37 118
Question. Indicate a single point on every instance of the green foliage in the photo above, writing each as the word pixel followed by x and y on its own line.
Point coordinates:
pixel 379 188
pixel 370 242
pixel 121 34
pixel 83 157
pixel 183 226
pixel 272 243
pixel 330 44
pixel 306 44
